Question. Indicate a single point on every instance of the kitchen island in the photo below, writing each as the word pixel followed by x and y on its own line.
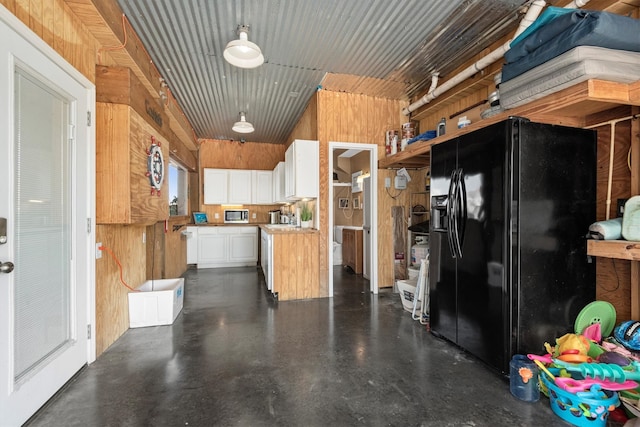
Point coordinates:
pixel 290 261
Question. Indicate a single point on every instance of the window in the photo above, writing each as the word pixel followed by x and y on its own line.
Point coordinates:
pixel 178 189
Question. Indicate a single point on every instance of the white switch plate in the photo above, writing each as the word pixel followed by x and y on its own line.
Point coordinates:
pixel 144 237
pixel 387 182
pixel 253 215
pixel 216 215
pixel 98 250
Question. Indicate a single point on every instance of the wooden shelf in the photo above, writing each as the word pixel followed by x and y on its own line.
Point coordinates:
pixel 567 107
pixel 619 249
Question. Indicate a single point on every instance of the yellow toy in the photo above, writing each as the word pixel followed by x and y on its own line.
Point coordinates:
pixel 570 348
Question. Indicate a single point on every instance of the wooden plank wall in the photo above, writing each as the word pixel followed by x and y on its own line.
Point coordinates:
pixel 53 22
pixel 112 313
pixel 613 275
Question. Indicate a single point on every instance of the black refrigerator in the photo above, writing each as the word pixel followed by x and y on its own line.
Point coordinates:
pixel 511 205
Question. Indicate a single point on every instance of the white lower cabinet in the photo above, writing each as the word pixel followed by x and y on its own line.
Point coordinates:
pixel 227 246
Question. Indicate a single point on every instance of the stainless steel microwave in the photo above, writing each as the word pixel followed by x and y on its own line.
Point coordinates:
pixel 236 215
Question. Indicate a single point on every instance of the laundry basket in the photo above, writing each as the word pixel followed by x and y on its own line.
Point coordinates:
pixel 584 410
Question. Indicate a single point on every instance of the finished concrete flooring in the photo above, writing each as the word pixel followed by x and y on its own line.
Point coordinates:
pixel 235 357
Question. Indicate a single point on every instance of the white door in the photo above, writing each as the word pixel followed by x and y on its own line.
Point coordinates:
pixel 46 171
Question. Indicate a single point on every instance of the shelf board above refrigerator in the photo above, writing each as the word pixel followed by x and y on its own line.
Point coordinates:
pixel 619 249
pixel 569 107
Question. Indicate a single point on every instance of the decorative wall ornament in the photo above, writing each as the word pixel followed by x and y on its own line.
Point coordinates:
pixel 155 166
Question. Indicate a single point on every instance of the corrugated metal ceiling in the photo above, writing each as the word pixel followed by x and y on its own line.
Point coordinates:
pixel 377 47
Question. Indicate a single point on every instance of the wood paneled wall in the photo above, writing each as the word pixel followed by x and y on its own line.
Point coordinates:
pixel 126 242
pixel 225 154
pixel 53 22
pixel 613 275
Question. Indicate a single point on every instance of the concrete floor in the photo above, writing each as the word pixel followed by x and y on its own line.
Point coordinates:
pixel 234 357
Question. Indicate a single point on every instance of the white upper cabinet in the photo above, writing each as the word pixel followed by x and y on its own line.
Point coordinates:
pixel 262 187
pixel 301 170
pixel 216 190
pixel 279 194
pixel 240 187
pixel 237 187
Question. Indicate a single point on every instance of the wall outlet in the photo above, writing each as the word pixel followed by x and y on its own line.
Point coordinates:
pixel 387 182
pixel 253 215
pixel 216 215
pixel 98 250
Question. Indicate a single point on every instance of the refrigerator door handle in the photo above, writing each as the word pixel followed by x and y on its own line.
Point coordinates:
pixel 461 214
pixel 450 213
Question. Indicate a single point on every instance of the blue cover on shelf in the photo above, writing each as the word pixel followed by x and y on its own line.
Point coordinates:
pixel 425 136
pixel 565 31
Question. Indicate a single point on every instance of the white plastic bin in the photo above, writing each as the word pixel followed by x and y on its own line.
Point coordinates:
pixel 158 302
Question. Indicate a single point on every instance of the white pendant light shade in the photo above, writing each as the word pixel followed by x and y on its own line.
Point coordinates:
pixel 243 126
pixel 243 53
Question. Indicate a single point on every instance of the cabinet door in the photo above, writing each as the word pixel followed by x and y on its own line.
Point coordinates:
pixel 289 171
pixel 262 193
pixel 306 169
pixel 301 169
pixel 243 247
pixel 347 247
pixel 212 248
pixel 215 186
pixel 279 182
pixel 192 245
pixel 239 187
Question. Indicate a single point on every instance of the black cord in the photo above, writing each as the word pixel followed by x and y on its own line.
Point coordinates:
pixel 396 196
pixel 613 261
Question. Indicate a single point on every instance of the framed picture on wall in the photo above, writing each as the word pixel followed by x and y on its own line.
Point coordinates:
pixel 356 203
pixel 343 203
pixel 200 217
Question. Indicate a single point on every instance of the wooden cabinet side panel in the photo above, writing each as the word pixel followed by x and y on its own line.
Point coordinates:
pixel 112 164
pixel 308 267
pixel 145 206
pixel 357 252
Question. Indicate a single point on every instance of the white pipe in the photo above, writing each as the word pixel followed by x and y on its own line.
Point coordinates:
pixel 532 13
pixel 612 141
pixel 576 4
pixel 434 81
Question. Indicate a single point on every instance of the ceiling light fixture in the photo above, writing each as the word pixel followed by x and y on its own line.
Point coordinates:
pixel 243 126
pixel 243 53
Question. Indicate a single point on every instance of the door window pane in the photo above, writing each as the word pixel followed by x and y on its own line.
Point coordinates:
pixel 42 223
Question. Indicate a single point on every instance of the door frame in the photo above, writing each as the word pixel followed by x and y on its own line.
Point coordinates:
pixel 90 160
pixel 373 167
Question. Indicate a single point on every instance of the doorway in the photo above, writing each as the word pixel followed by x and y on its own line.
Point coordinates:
pixel 369 195
pixel 47 221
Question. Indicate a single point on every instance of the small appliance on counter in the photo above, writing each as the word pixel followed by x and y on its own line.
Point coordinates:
pixel 274 217
pixel 236 216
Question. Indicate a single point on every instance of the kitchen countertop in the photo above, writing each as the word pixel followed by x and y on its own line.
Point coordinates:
pixel 286 228
pixel 227 224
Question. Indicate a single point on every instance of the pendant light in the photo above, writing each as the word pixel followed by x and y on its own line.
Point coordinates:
pixel 243 126
pixel 243 53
